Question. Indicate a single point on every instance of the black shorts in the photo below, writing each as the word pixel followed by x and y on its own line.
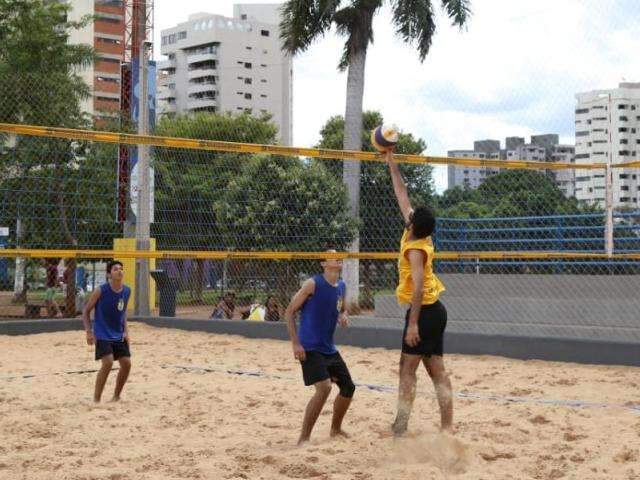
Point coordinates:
pixel 431 325
pixel 108 347
pixel 318 367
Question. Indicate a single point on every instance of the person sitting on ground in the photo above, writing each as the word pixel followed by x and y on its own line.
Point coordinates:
pixel 272 312
pixel 225 308
pixel 52 283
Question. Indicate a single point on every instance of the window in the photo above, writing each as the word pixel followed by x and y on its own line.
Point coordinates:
pixel 582 110
pixel 625 188
pixel 243 16
pixel 623 153
pixel 249 48
pixel 264 52
pixel 247 65
pixel 582 134
pixel 623 129
pixel 622 106
pixel 263 95
pixel 624 175
pixel 624 118
pixel 247 96
pixel 112 41
pixel 624 141
pixel 101 18
pixel 263 65
pixel 264 80
pixel 108 79
pixel 247 81
pixel 582 155
pixel 625 199
pixel 264 33
pixel 182 35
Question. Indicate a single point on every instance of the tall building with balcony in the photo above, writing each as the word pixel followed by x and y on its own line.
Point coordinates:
pixel 220 64
pixel 608 130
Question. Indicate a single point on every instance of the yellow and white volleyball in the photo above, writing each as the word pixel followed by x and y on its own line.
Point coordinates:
pixel 384 137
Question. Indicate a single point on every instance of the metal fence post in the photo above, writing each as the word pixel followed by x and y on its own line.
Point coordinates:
pixel 143 215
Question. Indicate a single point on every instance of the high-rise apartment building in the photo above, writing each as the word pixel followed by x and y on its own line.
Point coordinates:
pixel 220 64
pixel 608 130
pixel 106 34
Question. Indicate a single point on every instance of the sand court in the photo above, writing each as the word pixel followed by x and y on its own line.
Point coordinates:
pixel 209 406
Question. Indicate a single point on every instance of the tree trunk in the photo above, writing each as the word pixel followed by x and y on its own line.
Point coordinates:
pixel 351 169
pixel 19 281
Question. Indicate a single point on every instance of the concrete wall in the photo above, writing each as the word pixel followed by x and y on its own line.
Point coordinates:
pixel 513 346
pixel 563 306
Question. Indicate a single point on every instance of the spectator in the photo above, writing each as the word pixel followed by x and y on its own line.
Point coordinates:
pixel 51 284
pixel 225 308
pixel 272 313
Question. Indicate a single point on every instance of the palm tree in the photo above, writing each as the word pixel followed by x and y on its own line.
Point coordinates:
pixel 303 21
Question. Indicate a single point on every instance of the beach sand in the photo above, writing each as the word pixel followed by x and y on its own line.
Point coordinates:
pixel 241 419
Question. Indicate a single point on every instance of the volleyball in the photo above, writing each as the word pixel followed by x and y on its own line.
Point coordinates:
pixel 384 137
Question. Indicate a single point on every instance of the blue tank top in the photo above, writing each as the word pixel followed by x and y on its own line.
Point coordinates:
pixel 108 323
pixel 319 316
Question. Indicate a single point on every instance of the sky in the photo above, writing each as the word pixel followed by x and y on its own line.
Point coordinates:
pixel 513 71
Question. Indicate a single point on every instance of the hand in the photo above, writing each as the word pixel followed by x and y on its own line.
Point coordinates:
pixel 90 338
pixel 126 337
pixel 343 319
pixel 298 352
pixel 412 338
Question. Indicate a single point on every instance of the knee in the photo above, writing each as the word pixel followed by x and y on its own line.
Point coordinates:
pixel 323 389
pixel 107 363
pixel 438 374
pixel 125 363
pixel 347 389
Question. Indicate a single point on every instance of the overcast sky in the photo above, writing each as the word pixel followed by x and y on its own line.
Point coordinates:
pixel 513 71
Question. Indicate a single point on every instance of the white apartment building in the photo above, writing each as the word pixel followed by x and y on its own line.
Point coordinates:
pixel 470 177
pixel 608 129
pixel 221 64
pixel 565 179
pixel 528 152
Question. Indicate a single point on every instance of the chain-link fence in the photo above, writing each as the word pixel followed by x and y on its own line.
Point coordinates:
pixel 517 249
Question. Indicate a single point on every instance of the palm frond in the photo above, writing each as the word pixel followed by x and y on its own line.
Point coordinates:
pixel 303 21
pixel 415 23
pixel 459 11
pixel 356 23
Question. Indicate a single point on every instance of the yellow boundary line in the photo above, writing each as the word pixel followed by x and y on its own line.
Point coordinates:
pixel 212 145
pixel 233 255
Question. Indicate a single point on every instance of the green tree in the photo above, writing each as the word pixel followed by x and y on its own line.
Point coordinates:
pixel 304 21
pixel 284 204
pixel 40 84
pixel 190 182
pixel 377 201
